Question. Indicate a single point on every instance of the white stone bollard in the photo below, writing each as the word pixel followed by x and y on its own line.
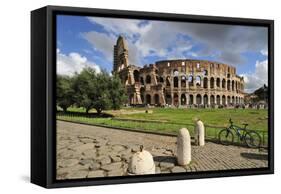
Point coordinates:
pixel 199 134
pixel 141 163
pixel 183 147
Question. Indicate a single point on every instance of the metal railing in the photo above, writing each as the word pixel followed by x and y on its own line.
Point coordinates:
pixel 151 126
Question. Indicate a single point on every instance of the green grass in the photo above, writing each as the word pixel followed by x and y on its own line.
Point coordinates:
pixel 168 120
pixel 257 119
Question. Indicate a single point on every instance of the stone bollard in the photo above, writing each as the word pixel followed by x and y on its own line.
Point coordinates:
pixel 183 147
pixel 199 134
pixel 141 163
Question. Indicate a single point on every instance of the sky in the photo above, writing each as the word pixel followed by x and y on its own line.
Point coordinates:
pixel 88 41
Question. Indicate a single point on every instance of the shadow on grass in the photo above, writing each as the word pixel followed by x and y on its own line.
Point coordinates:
pixel 83 114
pixel 255 156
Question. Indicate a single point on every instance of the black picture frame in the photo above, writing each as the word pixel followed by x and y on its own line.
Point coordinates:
pixel 43 89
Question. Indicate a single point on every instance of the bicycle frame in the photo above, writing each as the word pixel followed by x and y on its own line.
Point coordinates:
pixel 240 132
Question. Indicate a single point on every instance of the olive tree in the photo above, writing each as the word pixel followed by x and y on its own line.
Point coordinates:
pixel 97 90
pixel 64 92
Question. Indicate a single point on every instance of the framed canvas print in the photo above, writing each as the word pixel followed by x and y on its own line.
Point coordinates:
pixel 126 96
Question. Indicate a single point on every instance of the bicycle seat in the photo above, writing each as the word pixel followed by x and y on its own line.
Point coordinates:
pixel 245 124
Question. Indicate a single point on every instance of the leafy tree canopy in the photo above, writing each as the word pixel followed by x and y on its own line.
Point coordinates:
pixel 93 90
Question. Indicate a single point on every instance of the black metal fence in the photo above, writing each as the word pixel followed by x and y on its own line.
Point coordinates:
pixel 152 126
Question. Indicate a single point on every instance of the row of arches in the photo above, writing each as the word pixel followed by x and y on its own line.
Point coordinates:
pixel 197 99
pixel 183 81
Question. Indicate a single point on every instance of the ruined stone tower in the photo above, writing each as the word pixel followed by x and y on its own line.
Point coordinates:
pixel 128 73
pixel 120 55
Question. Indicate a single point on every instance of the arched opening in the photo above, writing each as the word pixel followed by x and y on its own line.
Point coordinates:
pixel 148 79
pixel 205 99
pixel 176 99
pixel 161 80
pixel 168 81
pixel 141 80
pixel 183 81
pixel 131 99
pixel 183 99
pixel 176 82
pixel 148 99
pixel 232 85
pixel 218 82
pixel 157 78
pixel 205 72
pixel 142 90
pixel 137 76
pixel 212 83
pixel 176 72
pixel 205 82
pixel 218 100
pixel 156 99
pixel 212 99
pixel 190 99
pixel 228 84
pixel 168 99
pixel 223 100
pixel 190 80
pixel 228 100
pixel 236 100
pixel 198 99
pixel 233 100
pixel 198 81
pixel 125 80
pixel 142 98
pixel 223 83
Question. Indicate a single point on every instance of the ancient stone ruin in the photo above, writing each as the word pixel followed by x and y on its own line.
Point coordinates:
pixel 179 82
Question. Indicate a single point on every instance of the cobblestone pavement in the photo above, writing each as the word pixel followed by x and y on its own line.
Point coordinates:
pixel 85 151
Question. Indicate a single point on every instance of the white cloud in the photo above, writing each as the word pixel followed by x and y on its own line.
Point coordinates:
pixel 144 39
pixel 264 52
pixel 257 78
pixel 126 27
pixel 104 43
pixel 73 62
pixel 165 39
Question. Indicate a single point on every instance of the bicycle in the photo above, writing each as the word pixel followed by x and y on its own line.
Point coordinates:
pixel 251 138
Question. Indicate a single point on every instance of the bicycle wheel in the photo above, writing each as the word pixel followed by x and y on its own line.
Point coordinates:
pixel 226 137
pixel 253 139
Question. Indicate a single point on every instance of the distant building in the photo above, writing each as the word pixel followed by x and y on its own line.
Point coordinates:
pixel 178 82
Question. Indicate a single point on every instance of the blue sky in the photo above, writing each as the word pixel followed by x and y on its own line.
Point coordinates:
pixel 88 41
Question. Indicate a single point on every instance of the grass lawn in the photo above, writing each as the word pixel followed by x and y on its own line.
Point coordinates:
pixel 170 120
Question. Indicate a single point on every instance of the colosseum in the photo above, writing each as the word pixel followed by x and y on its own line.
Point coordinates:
pixel 179 83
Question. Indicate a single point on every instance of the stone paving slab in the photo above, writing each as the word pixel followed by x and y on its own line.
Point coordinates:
pixel 85 151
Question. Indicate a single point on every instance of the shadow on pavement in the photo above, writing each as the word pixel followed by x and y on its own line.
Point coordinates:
pixel 168 159
pixel 255 156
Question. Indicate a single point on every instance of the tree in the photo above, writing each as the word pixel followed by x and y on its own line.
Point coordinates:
pixel 84 85
pixel 64 92
pixel 101 100
pixel 97 90
pixel 117 92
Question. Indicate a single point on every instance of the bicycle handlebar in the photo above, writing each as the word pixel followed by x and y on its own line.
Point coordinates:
pixel 230 121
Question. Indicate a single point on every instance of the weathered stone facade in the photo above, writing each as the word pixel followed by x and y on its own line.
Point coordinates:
pixel 182 82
